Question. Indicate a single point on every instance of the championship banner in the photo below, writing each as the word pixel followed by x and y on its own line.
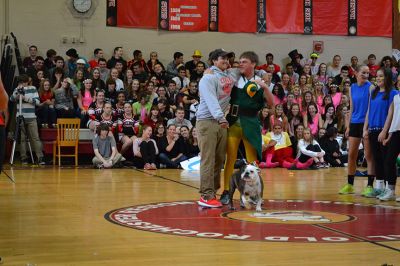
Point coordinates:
pixel 352 28
pixel 213 15
pixel 285 16
pixel 308 27
pixel 183 15
pixel 261 16
pixel 330 17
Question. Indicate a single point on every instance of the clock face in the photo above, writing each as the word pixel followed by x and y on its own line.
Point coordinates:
pixel 82 6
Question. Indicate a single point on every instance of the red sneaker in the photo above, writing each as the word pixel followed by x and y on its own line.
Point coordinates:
pixel 211 203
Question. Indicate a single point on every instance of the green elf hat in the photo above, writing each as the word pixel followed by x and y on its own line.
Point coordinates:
pixel 251 88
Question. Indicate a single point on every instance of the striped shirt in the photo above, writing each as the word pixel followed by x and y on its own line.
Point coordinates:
pixel 29 103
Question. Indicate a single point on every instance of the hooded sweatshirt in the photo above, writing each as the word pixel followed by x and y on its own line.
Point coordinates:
pixel 215 90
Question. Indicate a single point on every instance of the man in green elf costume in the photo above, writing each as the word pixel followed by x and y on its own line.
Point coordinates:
pixel 248 97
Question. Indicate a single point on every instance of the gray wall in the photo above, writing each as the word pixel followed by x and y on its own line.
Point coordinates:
pixel 45 22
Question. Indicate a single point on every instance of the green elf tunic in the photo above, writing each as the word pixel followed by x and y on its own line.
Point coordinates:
pixel 250 100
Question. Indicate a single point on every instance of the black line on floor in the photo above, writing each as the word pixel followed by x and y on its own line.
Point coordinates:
pixel 166 178
pixel 9 177
pixel 356 237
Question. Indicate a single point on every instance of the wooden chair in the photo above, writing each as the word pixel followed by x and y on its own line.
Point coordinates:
pixel 67 136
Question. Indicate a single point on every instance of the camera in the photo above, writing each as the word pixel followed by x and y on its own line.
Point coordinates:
pixel 21 91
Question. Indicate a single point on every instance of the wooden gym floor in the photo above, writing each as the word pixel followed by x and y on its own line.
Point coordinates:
pixel 55 216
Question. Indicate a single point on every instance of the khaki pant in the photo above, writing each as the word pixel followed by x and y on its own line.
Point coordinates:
pixel 33 134
pixel 212 144
pixel 117 158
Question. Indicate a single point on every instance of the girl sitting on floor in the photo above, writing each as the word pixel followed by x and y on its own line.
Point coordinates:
pixel 277 148
pixel 333 155
pixel 309 152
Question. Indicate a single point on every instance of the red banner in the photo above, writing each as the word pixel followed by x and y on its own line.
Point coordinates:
pixel 375 18
pixel 237 15
pixel 183 15
pixel 137 13
pixel 325 17
pixel 285 16
pixel 330 17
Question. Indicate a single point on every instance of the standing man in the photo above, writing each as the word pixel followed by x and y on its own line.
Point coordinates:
pixel 30 60
pixel 248 97
pixel 30 99
pixel 3 122
pixel 215 90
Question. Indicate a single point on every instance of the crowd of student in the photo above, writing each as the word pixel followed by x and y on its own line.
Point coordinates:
pixel 151 108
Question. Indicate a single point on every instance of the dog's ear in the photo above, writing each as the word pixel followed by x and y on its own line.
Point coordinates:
pixel 243 167
pixel 258 170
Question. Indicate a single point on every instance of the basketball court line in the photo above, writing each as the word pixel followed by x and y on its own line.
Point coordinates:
pixel 355 237
pixel 9 177
pixel 166 178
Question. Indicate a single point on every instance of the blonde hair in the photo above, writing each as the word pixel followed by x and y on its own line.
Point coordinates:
pixel 311 135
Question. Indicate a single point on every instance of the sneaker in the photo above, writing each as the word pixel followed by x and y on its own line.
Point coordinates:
pixel 347 189
pixel 326 165
pixel 388 195
pixel 370 192
pixel 398 199
pixel 367 191
pixel 41 161
pixel 211 203
pixel 319 165
pixel 153 166
pixel 100 166
pixel 24 161
pixel 224 197
pixel 147 166
pixel 380 192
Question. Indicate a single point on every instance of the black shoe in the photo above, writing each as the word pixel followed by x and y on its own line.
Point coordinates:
pixel 224 199
pixel 41 161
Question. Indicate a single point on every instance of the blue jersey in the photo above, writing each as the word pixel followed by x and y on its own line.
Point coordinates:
pixel 379 108
pixel 360 97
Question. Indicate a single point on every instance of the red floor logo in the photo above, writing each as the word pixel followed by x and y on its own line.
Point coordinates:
pixel 280 221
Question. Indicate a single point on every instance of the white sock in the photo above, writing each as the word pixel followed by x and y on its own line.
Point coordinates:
pixel 379 184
